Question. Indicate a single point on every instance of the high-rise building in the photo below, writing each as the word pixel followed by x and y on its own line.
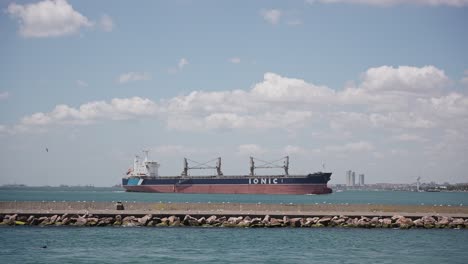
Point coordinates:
pixel 348 178
pixel 353 178
pixel 361 179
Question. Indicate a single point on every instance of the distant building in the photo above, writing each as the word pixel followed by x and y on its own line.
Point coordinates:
pixel 348 178
pixel 361 179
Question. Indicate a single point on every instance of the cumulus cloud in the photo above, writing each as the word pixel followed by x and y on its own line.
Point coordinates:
pixel 400 103
pixel 81 83
pixel 360 146
pixel 133 76
pixel 182 63
pixel 116 109
pixel 250 150
pixel 272 16
pixel 404 79
pixel 4 95
pixel 456 3
pixel 464 79
pixel 234 60
pixel 48 18
pixel 106 23
pixel 409 137
pixel 290 150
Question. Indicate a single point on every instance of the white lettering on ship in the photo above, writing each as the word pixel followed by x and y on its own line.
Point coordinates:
pixel 263 181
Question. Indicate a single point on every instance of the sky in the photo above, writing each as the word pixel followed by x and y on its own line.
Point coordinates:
pixel 377 87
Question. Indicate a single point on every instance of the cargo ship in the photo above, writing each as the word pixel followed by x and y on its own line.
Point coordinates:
pixel 144 177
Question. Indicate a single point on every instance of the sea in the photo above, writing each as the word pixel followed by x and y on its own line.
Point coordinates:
pixel 24 244
pixel 118 194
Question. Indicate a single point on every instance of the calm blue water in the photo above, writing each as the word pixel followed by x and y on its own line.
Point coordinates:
pixel 223 245
pixel 116 194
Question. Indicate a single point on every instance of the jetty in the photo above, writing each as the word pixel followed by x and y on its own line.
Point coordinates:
pixel 127 213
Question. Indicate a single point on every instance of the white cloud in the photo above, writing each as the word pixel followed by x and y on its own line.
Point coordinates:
pixel 4 95
pixel 464 79
pixel 290 150
pixel 180 66
pixel 48 18
pixel 272 16
pixel 182 63
pixel 81 83
pixel 106 23
pixel 294 22
pixel 134 76
pixel 404 79
pixel 250 150
pixel 116 109
pixel 456 3
pixel 409 137
pixel 360 146
pixel 375 106
pixel 234 60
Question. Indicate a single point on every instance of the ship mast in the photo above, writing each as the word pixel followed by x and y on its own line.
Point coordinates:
pixel 202 166
pixel 269 165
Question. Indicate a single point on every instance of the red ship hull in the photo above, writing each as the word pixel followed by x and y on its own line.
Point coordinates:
pixel 233 189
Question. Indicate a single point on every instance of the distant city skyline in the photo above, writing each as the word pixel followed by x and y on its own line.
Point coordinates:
pixel 379 86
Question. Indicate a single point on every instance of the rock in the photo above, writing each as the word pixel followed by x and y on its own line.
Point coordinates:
pixel 211 220
pixel 30 219
pixel 156 220
pixel 53 219
pixel 338 221
pixel 92 221
pixel 128 221
pixel 274 223
pixel 386 222
pixel 247 218
pixel 457 223
pixel 324 220
pixel 145 219
pixel 442 222
pixel 81 221
pixel 244 223
pixel 295 222
pixel 285 220
pixel 65 221
pixel 419 223
pixel 429 221
pixel 235 220
pixel 202 221
pixel 266 219
pixel 174 221
pixel 374 222
pixel 363 222
pixel 404 223
pixel 44 220
pixel 188 219
pixel 105 221
pixel 22 218
pixel 396 217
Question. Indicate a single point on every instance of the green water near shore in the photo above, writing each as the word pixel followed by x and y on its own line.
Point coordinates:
pixel 223 245
pixel 117 194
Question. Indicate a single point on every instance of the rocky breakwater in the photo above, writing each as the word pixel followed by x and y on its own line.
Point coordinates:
pixel 149 220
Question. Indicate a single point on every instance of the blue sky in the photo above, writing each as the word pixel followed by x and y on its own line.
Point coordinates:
pixel 379 87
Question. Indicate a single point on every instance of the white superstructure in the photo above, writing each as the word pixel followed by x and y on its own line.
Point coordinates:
pixel 143 167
